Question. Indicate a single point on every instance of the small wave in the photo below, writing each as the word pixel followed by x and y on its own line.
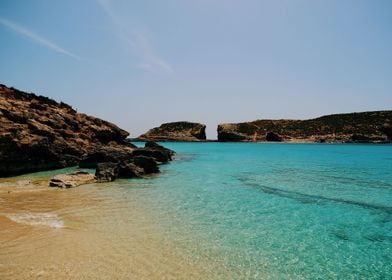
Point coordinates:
pixel 37 219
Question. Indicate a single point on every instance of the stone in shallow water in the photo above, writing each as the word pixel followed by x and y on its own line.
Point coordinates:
pixel 71 180
pixel 107 171
pixel 130 170
pixel 148 164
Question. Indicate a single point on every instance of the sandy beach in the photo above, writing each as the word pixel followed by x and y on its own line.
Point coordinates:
pixel 88 232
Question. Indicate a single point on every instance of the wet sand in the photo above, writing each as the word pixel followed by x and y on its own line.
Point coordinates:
pixel 89 232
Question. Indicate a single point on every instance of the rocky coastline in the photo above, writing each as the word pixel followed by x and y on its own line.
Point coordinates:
pixel 364 127
pixel 38 133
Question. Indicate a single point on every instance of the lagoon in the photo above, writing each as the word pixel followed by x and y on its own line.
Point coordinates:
pixel 219 211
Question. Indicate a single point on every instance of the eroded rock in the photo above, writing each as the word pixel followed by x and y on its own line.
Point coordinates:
pixel 71 180
pixel 176 131
pixel 38 133
pixel 369 127
pixel 107 171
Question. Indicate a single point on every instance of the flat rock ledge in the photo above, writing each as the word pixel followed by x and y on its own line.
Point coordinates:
pixel 71 180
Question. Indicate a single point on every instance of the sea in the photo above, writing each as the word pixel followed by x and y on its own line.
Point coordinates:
pixel 218 211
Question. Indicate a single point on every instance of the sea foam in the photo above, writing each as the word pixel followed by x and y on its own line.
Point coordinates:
pixel 37 219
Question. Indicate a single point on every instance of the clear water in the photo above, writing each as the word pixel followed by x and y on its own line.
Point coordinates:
pixel 277 211
pixel 219 211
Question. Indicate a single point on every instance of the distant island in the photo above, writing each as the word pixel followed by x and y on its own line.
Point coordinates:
pixel 365 127
pixel 176 131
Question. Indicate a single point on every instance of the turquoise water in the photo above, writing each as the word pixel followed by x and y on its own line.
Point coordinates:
pixel 278 211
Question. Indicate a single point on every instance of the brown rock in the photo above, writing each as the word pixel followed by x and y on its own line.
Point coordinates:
pixel 38 133
pixel 176 131
pixel 106 172
pixel 71 180
pixel 362 127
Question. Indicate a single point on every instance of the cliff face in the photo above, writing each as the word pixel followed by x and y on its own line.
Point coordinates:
pixel 176 131
pixel 38 133
pixel 354 127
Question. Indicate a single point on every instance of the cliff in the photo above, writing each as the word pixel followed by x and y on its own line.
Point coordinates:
pixel 38 133
pixel 176 131
pixel 353 127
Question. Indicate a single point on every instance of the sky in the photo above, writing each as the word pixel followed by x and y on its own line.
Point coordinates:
pixel 142 63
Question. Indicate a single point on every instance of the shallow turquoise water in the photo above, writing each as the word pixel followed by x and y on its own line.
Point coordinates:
pixel 278 211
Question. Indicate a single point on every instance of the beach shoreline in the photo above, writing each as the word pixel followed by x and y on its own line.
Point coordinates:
pixel 51 233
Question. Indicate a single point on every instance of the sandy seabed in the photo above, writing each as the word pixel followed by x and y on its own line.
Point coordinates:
pixel 89 232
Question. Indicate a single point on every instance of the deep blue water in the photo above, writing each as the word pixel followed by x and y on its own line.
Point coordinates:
pixel 278 211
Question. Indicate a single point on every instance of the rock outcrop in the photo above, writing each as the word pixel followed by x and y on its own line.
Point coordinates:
pixel 176 131
pixel 71 180
pixel 38 133
pixel 365 127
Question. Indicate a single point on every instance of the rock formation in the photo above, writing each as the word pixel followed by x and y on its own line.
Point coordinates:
pixel 38 133
pixel 176 131
pixel 365 127
pixel 71 180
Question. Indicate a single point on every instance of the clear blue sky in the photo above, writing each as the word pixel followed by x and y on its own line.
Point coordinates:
pixel 141 63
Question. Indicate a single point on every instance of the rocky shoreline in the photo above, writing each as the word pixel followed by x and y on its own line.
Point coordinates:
pixel 38 133
pixel 364 127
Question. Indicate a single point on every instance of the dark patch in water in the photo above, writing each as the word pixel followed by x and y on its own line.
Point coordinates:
pixel 340 234
pixel 378 238
pixel 374 184
pixel 310 197
pixel 386 219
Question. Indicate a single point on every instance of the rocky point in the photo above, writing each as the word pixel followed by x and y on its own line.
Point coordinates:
pixel 38 133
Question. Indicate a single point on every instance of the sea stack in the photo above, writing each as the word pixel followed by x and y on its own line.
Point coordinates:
pixel 176 131
pixel 365 127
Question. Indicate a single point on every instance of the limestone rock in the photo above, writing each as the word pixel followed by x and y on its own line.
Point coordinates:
pixel 38 133
pixel 148 164
pixel 107 171
pixel 372 127
pixel 176 131
pixel 130 170
pixel 71 180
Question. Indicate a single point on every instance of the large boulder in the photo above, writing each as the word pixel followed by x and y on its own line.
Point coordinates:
pixel 130 170
pixel 148 164
pixel 136 167
pixel 71 180
pixel 158 155
pixel 105 154
pixel 156 146
pixel 154 150
pixel 107 171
